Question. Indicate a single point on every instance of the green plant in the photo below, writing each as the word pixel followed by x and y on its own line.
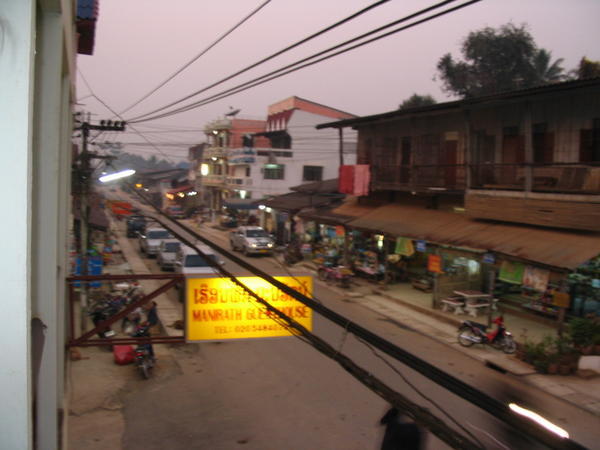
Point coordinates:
pixel 584 331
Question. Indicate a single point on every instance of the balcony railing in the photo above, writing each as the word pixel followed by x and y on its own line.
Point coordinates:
pixel 557 177
pixel 216 152
pixel 239 181
pixel 569 178
pixel 213 180
pixel 449 177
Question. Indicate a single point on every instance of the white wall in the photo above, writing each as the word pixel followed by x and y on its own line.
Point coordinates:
pixel 36 67
pixel 17 22
pixel 310 147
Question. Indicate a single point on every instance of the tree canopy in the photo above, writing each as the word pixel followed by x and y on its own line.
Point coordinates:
pixel 416 100
pixel 497 60
pixel 587 69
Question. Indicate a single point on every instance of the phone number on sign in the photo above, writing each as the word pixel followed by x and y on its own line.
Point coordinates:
pixel 248 328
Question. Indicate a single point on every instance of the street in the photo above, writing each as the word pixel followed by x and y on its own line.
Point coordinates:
pixel 281 393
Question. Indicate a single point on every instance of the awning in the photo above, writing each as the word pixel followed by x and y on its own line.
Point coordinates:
pixel 241 203
pixel 556 248
pixel 296 201
pixel 179 189
pixel 348 211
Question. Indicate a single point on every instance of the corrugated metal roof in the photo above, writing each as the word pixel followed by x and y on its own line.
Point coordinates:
pixel 324 186
pixel 457 104
pixel 562 249
pixel 349 210
pixel 295 201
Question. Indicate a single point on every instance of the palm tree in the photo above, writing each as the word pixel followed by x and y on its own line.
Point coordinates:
pixel 544 70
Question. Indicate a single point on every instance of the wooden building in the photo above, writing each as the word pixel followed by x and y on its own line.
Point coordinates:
pixel 529 156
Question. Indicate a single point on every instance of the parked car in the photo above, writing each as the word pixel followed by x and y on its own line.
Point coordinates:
pixel 175 212
pixel 167 252
pixel 150 240
pixel 251 240
pixel 135 225
pixel 189 262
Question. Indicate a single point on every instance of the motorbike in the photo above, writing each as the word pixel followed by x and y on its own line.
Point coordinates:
pixel 476 333
pixel 99 313
pixel 335 274
pixel 144 360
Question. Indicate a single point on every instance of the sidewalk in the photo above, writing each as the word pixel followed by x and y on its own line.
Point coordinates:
pixel 169 311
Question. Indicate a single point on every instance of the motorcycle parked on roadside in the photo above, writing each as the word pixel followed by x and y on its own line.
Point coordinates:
pixel 144 354
pixel 476 333
pixel 101 312
pixel 340 275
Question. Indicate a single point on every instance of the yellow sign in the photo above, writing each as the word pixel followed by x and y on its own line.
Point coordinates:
pixel 217 309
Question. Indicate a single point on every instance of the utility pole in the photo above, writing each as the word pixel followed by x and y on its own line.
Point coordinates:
pixel 85 179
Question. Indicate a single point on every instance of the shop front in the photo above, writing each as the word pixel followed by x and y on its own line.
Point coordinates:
pixel 524 269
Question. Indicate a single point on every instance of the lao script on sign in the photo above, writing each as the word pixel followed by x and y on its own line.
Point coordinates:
pixel 218 309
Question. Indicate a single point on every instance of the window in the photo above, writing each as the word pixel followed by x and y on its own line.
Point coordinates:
pixel 247 171
pixel 589 145
pixel 280 139
pixel 312 173
pixel 274 171
pixel 543 144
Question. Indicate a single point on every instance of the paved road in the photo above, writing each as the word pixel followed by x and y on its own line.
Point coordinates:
pixel 281 393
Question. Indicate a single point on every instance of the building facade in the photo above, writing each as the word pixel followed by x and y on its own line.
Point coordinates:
pixel 498 193
pixel 38 62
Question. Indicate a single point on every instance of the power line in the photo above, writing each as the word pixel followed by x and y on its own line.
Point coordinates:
pixel 195 58
pixel 268 58
pixel 449 382
pixel 293 67
pixel 120 117
pixel 420 415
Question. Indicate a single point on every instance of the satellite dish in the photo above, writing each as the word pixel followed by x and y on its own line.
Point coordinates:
pixel 233 112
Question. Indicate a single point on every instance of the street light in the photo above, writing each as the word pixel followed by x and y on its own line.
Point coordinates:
pixel 116 175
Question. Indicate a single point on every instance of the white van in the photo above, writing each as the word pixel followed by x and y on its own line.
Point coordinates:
pixel 189 262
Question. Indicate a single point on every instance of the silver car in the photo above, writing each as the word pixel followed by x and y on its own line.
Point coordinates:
pixel 251 241
pixel 167 251
pixel 151 239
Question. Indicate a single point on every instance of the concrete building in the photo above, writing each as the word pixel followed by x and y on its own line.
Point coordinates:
pixel 254 159
pixel 37 71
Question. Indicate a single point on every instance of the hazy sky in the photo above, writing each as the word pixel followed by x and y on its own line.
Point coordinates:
pixel 140 43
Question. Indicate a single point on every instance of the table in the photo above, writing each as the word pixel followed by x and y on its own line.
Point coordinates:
pixel 475 300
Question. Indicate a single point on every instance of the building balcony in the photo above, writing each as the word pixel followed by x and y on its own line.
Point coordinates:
pixel 552 195
pixel 219 124
pixel 214 180
pixel 238 182
pixel 451 177
pixel 566 178
pixel 215 152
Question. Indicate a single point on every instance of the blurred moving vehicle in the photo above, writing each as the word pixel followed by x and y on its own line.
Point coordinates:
pixel 167 253
pixel 135 225
pixel 228 221
pixel 151 239
pixel 251 241
pixel 175 212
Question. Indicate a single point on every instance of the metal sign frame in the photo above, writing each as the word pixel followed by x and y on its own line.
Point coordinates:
pixel 85 339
